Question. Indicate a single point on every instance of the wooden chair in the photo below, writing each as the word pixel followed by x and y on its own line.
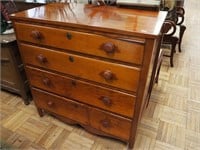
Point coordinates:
pixel 175 35
pixel 170 39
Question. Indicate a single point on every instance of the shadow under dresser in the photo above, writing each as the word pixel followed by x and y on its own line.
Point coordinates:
pixel 90 65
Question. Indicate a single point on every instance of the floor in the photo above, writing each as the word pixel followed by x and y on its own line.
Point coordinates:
pixel 171 121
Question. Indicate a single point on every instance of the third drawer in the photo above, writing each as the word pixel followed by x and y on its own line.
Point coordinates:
pixel 101 97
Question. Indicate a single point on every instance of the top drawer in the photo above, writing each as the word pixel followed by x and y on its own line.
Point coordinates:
pixel 131 52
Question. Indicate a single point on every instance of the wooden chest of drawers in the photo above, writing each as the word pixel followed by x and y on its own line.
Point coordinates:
pixel 90 65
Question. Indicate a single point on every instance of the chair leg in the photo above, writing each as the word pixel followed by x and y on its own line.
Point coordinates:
pixel 160 59
pixel 158 72
pixel 174 41
pixel 182 30
pixel 171 58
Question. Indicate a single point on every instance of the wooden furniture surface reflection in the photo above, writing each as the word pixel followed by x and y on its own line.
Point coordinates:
pixel 90 65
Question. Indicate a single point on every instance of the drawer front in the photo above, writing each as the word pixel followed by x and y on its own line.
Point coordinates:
pixel 97 45
pixel 114 101
pixel 61 106
pixel 110 124
pixel 115 75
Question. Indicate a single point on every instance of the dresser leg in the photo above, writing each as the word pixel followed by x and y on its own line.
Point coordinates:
pixel 26 95
pixel 26 102
pixel 130 145
pixel 40 112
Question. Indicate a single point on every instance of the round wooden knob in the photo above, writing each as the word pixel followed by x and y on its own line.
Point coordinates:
pixel 36 35
pixel 108 75
pixel 73 82
pixel 41 58
pixel 106 100
pixel 50 103
pixel 71 58
pixel 46 81
pixel 69 36
pixel 108 47
pixel 105 123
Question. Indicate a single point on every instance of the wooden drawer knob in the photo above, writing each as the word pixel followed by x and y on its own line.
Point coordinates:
pixel 73 82
pixel 46 81
pixel 105 123
pixel 109 47
pixel 42 59
pixel 50 103
pixel 36 35
pixel 108 75
pixel 71 58
pixel 69 36
pixel 106 100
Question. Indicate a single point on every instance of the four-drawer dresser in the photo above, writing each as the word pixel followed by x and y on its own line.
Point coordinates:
pixel 90 65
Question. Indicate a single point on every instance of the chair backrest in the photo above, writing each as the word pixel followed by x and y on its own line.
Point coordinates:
pixel 169 28
pixel 180 12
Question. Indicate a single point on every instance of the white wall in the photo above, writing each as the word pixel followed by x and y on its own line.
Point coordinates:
pixel 83 1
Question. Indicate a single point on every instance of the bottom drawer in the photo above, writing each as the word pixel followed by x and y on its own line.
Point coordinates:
pixel 61 106
pixel 103 121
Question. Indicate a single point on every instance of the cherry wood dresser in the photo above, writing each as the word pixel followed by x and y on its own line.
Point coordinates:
pixel 90 65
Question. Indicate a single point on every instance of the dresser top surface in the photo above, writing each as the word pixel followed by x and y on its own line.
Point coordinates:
pixel 98 18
